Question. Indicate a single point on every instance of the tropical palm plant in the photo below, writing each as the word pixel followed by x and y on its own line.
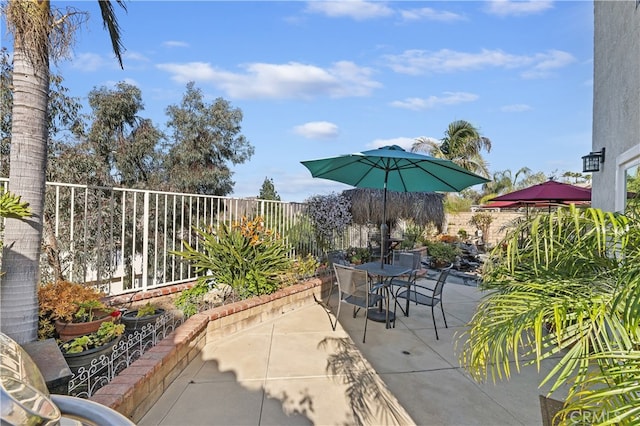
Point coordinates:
pixel 569 289
pixel 504 182
pixel 40 34
pixel 461 144
pixel 12 206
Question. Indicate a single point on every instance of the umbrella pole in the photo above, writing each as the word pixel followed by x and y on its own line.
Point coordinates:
pixel 383 226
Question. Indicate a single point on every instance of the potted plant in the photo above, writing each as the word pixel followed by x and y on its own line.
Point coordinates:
pixel 81 350
pixel 358 255
pixel 136 319
pixel 565 289
pixel 69 309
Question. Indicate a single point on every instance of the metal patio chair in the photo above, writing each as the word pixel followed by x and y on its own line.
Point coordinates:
pixel 421 294
pixel 354 288
pixel 336 257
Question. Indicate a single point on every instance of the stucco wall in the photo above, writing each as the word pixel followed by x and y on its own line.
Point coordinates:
pixel 616 96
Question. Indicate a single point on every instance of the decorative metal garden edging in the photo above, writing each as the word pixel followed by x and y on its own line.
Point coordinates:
pixel 86 381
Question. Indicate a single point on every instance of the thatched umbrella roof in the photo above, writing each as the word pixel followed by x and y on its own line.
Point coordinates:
pixel 421 207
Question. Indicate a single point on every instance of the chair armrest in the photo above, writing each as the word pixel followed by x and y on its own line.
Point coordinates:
pixel 402 282
pixel 423 285
pixel 422 272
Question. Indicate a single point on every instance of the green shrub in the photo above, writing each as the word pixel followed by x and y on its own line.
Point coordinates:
pixel 189 299
pixel 304 267
pixel 246 256
pixel 412 235
pixel 441 252
pixel 146 310
pixel 358 255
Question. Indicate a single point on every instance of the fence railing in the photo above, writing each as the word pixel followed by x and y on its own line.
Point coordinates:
pixel 122 239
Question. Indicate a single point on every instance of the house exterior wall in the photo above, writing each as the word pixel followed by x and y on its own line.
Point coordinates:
pixel 616 100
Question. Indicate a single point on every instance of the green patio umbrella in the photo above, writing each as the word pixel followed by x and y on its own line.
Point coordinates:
pixel 391 168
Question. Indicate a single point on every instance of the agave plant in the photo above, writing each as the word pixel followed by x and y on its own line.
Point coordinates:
pixel 565 285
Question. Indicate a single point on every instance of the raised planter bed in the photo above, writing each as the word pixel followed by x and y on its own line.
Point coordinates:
pixel 134 391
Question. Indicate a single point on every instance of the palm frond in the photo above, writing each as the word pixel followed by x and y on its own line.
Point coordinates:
pixel 565 283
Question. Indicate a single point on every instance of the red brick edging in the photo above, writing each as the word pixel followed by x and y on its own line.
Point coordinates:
pixel 134 391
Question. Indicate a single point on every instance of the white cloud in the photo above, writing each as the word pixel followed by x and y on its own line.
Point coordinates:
pixel 88 62
pixel 175 43
pixel 450 98
pixel 135 56
pixel 515 108
pixel 355 9
pixel 517 8
pixel 430 14
pixel 292 80
pixel 546 62
pixel 417 62
pixel 317 130
pixel 402 142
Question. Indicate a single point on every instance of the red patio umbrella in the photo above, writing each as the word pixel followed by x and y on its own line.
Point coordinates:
pixel 549 192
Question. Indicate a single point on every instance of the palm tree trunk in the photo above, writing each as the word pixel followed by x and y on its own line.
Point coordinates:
pixel 22 239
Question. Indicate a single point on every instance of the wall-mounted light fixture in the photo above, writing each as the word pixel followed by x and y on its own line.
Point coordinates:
pixel 591 162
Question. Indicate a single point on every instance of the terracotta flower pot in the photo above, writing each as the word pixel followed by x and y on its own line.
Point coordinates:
pixel 69 330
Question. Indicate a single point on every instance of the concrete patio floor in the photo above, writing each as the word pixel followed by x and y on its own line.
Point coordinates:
pixel 296 370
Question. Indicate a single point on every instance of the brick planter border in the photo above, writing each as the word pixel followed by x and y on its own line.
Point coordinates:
pixel 134 391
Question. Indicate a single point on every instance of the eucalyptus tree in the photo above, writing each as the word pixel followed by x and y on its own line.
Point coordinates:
pixel 461 144
pixel 117 148
pixel 206 138
pixel 63 118
pixel 40 34
pixel 6 100
pixel 123 143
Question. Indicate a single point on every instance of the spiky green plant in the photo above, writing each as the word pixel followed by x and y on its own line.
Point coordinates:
pixel 565 284
pixel 11 205
pixel 246 256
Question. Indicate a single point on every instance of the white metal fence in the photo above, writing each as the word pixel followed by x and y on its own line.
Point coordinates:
pixel 122 239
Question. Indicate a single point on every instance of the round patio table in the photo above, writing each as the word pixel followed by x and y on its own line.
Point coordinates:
pixel 385 273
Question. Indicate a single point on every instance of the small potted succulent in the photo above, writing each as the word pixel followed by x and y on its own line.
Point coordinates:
pixel 136 319
pixel 81 350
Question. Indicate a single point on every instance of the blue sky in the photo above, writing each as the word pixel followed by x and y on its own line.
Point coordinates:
pixel 318 79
